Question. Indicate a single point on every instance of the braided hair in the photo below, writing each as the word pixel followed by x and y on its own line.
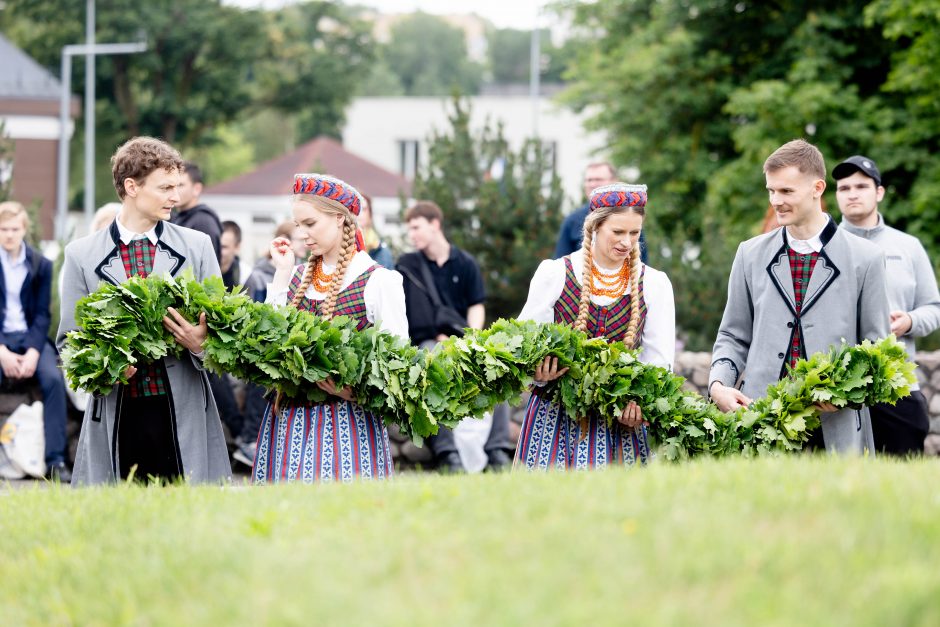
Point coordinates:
pixel 592 223
pixel 346 252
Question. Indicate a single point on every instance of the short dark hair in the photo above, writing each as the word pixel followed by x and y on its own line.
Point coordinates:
pixel 234 229
pixel 426 209
pixel 194 172
pixel 138 157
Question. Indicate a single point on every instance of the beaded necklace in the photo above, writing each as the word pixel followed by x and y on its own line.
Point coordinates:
pixel 321 280
pixel 611 285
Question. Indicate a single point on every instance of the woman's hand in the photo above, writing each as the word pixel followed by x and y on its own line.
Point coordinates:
pixel 632 416
pixel 328 386
pixel 282 255
pixel 548 370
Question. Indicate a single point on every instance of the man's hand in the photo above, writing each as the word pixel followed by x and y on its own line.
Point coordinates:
pixel 901 322
pixel 727 399
pixel 825 407
pixel 189 336
pixel 10 362
pixel 328 386
pixel 28 363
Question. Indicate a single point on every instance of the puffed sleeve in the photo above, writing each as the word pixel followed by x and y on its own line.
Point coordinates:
pixel 278 298
pixel 544 289
pixel 385 302
pixel 658 344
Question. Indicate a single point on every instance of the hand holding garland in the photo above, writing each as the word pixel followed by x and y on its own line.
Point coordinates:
pixel 288 350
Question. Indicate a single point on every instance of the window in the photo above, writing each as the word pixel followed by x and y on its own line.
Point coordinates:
pixel 408 157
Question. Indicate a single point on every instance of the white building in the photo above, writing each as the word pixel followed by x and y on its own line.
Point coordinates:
pixel 393 131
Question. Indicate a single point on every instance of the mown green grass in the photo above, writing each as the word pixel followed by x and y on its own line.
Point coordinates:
pixel 810 541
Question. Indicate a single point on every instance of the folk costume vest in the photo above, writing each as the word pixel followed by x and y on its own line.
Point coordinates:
pixel 610 321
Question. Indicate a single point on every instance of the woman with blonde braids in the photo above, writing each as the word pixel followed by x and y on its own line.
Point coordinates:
pixel 604 290
pixel 334 439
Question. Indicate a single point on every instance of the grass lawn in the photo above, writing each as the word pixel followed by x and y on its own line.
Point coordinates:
pixel 808 541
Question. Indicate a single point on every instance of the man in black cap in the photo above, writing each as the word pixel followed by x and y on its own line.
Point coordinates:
pixel 912 296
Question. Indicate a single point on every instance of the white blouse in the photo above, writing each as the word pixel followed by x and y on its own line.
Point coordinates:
pixel 384 296
pixel 658 342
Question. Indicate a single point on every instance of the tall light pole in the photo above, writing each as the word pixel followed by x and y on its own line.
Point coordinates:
pixel 535 66
pixel 89 111
pixel 63 161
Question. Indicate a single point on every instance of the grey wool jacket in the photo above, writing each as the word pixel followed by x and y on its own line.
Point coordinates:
pixel 845 299
pixel 201 443
pixel 912 286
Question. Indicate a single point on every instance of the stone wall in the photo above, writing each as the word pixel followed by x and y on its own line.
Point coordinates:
pixel 694 367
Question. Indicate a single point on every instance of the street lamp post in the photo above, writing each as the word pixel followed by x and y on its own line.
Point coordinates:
pixel 63 161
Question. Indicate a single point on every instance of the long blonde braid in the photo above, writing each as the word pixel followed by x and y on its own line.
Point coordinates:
pixel 630 338
pixel 346 253
pixel 587 282
pixel 305 282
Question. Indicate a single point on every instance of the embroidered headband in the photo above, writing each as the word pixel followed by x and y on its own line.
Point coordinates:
pixel 329 187
pixel 618 195
pixel 336 190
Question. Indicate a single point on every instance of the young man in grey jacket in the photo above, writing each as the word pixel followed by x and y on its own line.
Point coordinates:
pixel 797 290
pixel 912 296
pixel 164 422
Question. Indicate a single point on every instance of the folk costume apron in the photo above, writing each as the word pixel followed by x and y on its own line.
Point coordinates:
pixel 332 440
pixel 549 438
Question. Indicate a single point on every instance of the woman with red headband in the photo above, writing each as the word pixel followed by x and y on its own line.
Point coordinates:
pixel 336 439
pixel 604 290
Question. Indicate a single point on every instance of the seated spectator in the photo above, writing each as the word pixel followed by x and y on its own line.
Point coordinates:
pixel 25 349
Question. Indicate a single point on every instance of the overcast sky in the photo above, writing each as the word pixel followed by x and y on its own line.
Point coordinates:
pixel 503 13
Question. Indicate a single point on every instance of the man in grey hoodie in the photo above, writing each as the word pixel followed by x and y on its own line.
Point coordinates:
pixel 912 295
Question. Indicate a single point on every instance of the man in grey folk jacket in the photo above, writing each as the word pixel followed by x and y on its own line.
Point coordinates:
pixel 795 291
pixel 913 298
pixel 164 422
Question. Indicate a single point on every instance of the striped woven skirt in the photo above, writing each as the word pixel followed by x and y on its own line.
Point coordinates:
pixel 323 442
pixel 551 440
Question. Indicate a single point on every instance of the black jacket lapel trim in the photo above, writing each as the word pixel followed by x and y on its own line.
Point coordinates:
pixel 109 259
pixel 813 297
pixel 780 257
pixel 177 259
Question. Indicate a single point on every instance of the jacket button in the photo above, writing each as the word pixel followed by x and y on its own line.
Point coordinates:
pixel 789 325
pixel 603 329
pixel 603 310
pixel 780 355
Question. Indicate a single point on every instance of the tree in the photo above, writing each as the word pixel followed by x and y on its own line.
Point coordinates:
pixel 501 205
pixel 207 65
pixel 429 57
pixel 696 94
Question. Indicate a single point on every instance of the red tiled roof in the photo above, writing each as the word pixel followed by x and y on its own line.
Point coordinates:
pixel 324 155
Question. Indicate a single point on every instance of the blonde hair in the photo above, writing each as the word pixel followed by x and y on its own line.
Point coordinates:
pixel 594 221
pixel 346 252
pixel 12 209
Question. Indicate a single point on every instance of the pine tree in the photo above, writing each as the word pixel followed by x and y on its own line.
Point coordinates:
pixel 503 206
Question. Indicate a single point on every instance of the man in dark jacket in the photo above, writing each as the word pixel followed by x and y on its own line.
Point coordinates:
pixel 25 350
pixel 457 284
pixel 193 214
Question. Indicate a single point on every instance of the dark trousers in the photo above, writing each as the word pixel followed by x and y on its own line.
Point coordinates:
pixel 443 442
pixel 255 404
pixel 52 384
pixel 147 441
pixel 225 400
pixel 900 429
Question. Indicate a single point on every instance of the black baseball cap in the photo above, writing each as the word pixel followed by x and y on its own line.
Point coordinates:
pixel 857 163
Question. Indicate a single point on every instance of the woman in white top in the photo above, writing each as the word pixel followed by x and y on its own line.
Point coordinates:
pixel 337 438
pixel 604 290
